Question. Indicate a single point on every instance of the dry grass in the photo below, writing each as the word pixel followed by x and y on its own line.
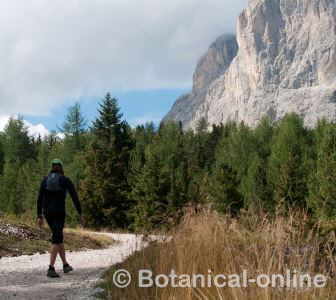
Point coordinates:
pixel 257 244
pixel 79 239
pixel 38 240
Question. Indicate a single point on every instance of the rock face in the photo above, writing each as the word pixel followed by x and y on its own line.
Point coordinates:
pixel 209 68
pixel 285 61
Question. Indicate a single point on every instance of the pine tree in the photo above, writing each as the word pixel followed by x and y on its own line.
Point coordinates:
pixel 30 179
pixel 200 147
pixel 13 189
pixel 18 145
pixel 322 189
pixel 108 127
pixel 287 169
pixel 105 188
pixel 223 190
pixel 236 150
pixel 19 149
pixel 256 187
pixel 74 128
pixel 143 136
pixel 159 187
pixel 257 191
pixel 196 161
pixel 149 209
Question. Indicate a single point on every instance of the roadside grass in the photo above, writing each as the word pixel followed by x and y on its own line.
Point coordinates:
pixel 224 245
pixel 27 238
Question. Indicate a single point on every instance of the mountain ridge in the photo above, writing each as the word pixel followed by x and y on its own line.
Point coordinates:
pixel 284 61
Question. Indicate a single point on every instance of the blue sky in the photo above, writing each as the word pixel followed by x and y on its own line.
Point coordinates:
pixel 137 107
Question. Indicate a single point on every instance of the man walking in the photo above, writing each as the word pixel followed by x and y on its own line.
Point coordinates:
pixel 51 205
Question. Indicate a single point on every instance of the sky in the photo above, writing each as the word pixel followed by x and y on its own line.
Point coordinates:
pixel 144 52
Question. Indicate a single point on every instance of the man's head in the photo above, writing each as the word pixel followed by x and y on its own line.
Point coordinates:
pixel 57 165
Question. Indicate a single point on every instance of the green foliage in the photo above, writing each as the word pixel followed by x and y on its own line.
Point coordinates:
pixel 322 184
pixel 75 123
pixel 159 179
pixel 74 129
pixel 71 149
pixel 105 188
pixel 256 187
pixel 18 145
pixel 144 178
pixel 2 156
pixel 287 163
pixel 236 151
pixel 13 188
pixel 223 190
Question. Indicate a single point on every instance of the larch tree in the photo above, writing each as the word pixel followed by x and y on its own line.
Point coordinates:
pixel 322 188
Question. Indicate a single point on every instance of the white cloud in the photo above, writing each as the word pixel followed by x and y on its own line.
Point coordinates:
pixel 3 122
pixel 36 130
pixel 57 50
pixel 60 135
pixel 33 130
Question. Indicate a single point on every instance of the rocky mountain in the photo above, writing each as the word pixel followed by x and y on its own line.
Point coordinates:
pixel 210 67
pixel 282 60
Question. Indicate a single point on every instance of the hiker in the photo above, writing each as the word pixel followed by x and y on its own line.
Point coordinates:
pixel 51 206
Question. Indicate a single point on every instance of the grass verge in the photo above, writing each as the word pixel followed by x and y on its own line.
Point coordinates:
pixel 224 245
pixel 23 238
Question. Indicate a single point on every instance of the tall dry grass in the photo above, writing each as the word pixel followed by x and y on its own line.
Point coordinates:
pixel 224 245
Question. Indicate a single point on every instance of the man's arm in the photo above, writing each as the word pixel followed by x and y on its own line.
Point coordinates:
pixel 74 196
pixel 40 200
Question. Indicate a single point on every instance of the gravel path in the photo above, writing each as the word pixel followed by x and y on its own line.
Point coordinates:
pixel 24 277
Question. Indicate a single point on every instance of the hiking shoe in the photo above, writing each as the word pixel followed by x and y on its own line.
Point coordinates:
pixel 52 273
pixel 67 268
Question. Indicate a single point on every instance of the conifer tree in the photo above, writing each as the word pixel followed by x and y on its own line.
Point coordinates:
pixel 18 145
pixel 256 187
pixel 257 191
pixel 159 188
pixel 287 163
pixel 13 189
pixel 147 192
pixel 105 188
pixel 19 148
pixel 322 188
pixel 223 190
pixel 74 128
pixel 236 150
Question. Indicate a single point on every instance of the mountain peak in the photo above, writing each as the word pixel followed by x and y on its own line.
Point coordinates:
pixel 286 63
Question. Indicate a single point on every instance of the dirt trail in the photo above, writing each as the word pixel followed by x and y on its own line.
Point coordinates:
pixel 24 277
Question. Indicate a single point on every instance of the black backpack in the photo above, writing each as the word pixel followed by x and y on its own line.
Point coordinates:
pixel 53 183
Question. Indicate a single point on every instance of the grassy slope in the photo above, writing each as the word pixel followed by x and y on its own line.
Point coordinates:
pixel 38 241
pixel 228 246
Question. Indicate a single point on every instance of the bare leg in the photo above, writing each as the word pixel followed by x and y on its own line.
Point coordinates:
pixel 62 254
pixel 53 254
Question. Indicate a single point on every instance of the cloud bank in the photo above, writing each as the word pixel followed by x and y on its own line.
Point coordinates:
pixel 33 130
pixel 53 51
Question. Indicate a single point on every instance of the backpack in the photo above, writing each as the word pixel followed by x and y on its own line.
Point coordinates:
pixel 53 182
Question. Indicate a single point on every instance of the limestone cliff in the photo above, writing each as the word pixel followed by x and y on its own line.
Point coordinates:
pixel 285 61
pixel 209 68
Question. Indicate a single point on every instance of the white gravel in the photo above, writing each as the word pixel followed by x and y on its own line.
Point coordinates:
pixel 24 277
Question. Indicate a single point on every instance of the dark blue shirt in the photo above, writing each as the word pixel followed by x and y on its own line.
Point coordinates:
pixel 53 202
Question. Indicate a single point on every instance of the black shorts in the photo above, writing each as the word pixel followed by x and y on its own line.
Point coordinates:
pixel 56 224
